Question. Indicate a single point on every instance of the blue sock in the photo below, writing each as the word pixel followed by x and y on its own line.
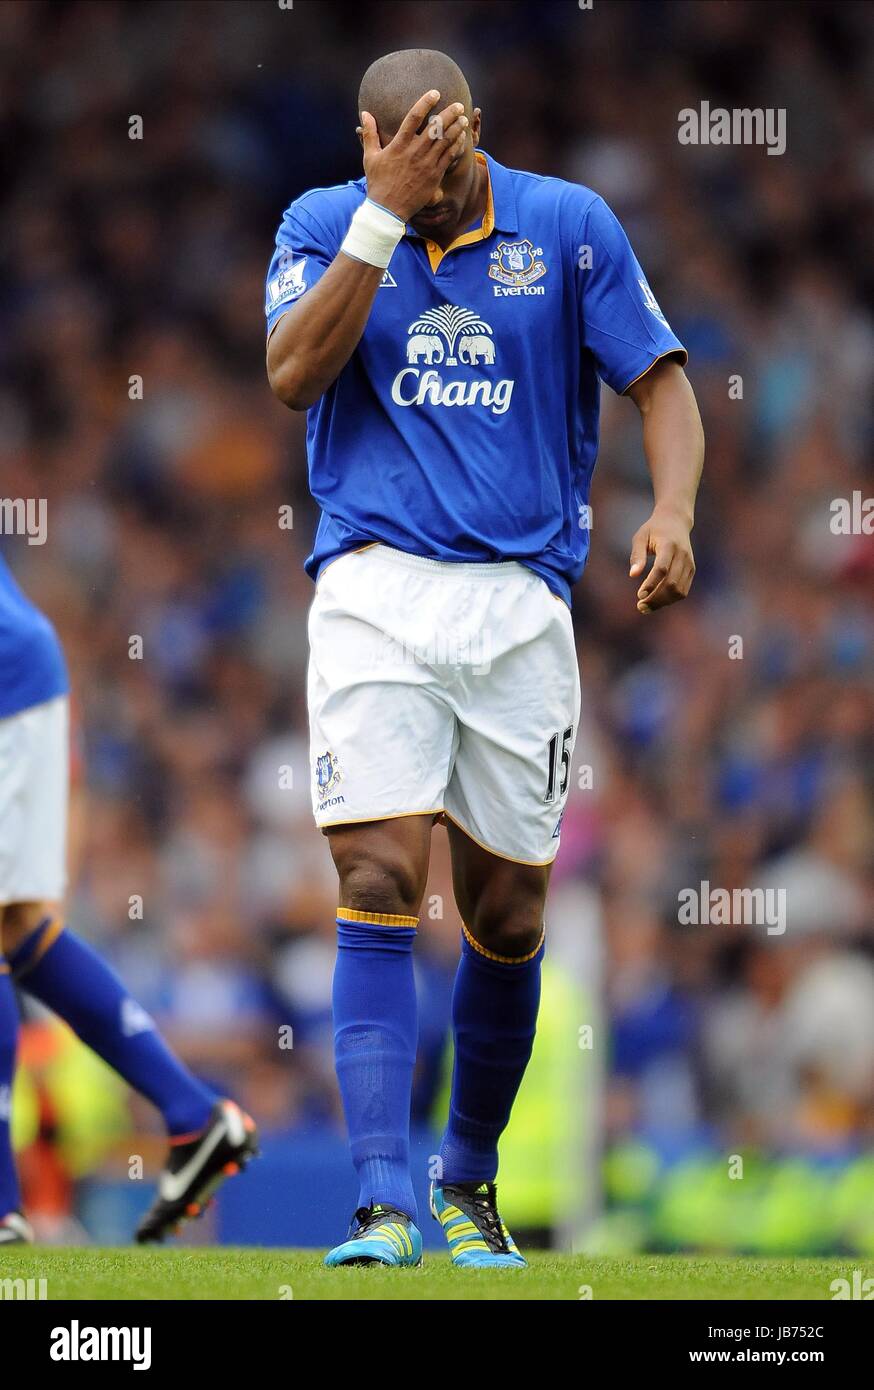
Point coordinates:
pixel 494 1015
pixel 70 978
pixel 375 1036
pixel 10 1192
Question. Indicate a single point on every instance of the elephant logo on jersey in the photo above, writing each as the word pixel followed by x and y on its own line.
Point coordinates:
pixel 328 774
pixel 515 263
pixel 450 337
pixel 467 337
pixel 427 346
pixel 473 348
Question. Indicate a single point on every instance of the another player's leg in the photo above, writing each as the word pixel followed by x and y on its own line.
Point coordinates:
pixel 14 1229
pixel 383 868
pixel 494 1016
pixel 210 1137
pixel 208 1134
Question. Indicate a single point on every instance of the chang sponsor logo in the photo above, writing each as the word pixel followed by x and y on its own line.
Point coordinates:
pixel 450 337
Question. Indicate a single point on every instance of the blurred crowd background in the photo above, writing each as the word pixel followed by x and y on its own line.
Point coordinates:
pixel 196 864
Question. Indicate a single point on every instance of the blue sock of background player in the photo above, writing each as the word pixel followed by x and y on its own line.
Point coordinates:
pixel 71 979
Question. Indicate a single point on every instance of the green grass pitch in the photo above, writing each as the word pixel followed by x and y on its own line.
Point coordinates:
pixel 205 1274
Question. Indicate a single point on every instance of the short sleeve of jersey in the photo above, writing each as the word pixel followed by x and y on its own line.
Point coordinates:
pixel 303 254
pixel 620 319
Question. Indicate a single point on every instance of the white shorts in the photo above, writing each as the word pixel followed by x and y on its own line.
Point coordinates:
pixel 440 687
pixel 34 787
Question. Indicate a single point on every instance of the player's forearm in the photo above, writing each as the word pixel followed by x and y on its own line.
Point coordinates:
pixel 673 438
pixel 312 343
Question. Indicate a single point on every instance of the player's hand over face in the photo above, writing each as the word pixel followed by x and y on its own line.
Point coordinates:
pixel 665 536
pixel 406 174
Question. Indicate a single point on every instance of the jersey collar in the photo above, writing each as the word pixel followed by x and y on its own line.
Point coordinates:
pixel 500 212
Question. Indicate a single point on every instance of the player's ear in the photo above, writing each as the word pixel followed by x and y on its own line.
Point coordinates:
pixel 359 131
pixel 476 126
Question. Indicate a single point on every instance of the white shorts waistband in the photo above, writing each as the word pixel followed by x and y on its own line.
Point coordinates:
pixel 479 569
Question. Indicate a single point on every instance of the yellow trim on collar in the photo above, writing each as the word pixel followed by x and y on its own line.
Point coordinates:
pixel 376 919
pixel 436 253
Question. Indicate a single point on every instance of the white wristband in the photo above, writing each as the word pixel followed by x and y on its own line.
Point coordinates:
pixel 373 234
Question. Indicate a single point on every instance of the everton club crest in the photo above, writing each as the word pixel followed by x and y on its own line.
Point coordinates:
pixel 516 263
pixel 328 774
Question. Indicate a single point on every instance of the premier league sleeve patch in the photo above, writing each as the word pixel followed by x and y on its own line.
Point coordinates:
pixel 288 283
pixel 651 302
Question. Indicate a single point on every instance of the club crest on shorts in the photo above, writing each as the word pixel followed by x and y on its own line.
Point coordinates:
pixel 515 263
pixel 328 774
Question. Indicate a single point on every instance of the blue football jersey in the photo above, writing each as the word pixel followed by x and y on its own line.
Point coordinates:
pixel 32 666
pixel 465 425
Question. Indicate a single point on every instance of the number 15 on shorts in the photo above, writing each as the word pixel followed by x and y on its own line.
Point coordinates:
pixel 559 749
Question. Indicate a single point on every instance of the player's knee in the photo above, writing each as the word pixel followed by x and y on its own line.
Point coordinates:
pixel 375 886
pixel 510 929
pixel 380 883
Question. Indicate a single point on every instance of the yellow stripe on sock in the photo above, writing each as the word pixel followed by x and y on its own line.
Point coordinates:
pixel 46 941
pixel 502 960
pixel 377 919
